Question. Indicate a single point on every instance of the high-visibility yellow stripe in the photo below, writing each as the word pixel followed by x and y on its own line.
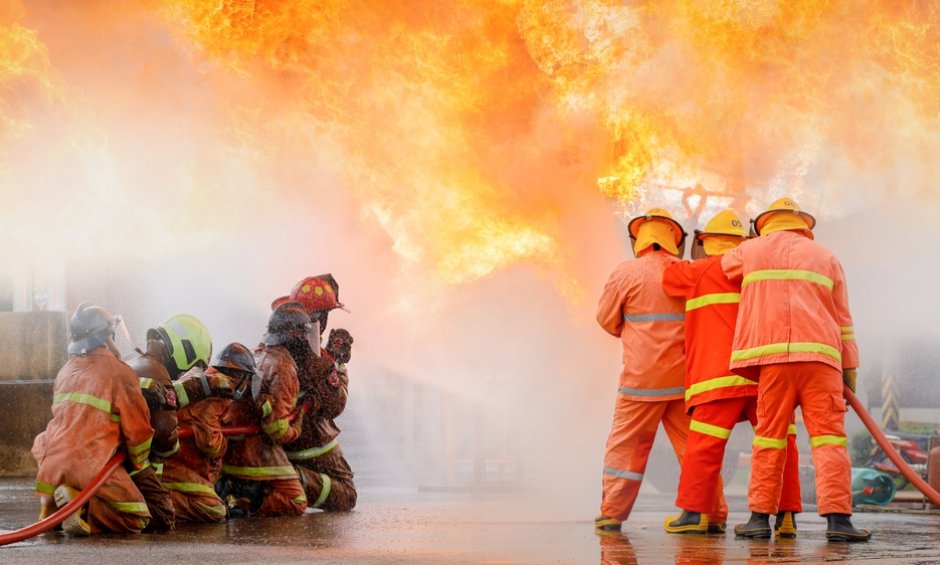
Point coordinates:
pixel 716 383
pixel 169 453
pixel 848 337
pixel 266 409
pixel 770 443
pixel 140 447
pixel 145 383
pixel 190 487
pixel 848 330
pixel 709 429
pixel 818 441
pixel 259 471
pixel 791 431
pixel 324 491
pixel 45 488
pixel 145 465
pixel 312 452
pixel 709 299
pixel 787 275
pixel 774 348
pixel 82 398
pixel 130 507
pixel 276 429
pixel 182 398
pixel 216 511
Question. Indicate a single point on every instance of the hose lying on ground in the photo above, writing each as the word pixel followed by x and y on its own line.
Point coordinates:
pixel 61 514
pixel 895 457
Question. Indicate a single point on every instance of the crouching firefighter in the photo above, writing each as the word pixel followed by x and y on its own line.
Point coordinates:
pixel 715 398
pixel 259 480
pixel 192 473
pixel 324 386
pixel 173 347
pixel 97 411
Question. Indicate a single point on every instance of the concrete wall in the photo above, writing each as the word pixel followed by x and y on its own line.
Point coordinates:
pixel 32 349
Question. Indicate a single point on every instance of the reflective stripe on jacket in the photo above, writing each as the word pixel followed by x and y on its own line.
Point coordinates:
pixel 794 304
pixel 635 308
pixel 711 309
pixel 97 410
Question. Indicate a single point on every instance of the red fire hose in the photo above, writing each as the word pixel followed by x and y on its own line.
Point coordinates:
pixel 61 514
pixel 895 457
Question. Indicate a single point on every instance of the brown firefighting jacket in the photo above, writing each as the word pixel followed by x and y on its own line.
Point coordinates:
pixel 324 389
pixel 97 410
pixel 260 457
pixel 157 388
pixel 198 464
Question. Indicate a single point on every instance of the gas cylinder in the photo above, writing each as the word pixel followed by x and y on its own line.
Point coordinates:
pixel 933 470
pixel 871 487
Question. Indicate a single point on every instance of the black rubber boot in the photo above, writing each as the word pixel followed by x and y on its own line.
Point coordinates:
pixel 839 528
pixel 687 523
pixel 758 527
pixel 785 526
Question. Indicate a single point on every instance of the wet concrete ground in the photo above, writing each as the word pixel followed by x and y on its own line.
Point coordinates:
pixel 405 526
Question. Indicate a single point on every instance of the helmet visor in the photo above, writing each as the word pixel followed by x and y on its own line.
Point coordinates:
pixel 313 337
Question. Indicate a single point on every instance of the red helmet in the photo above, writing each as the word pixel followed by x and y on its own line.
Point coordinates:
pixel 315 294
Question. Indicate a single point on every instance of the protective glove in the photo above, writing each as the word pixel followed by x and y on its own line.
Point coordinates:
pixel 339 345
pixel 848 377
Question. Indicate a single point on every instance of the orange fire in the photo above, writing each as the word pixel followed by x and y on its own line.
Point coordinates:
pixel 478 134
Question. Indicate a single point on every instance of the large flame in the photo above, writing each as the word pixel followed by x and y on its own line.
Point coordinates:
pixel 475 133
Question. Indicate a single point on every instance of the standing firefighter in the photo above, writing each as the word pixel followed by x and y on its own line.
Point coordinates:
pixel 716 399
pixel 173 347
pixel 191 474
pixel 260 480
pixel 97 410
pixel 635 308
pixel 794 335
pixel 324 384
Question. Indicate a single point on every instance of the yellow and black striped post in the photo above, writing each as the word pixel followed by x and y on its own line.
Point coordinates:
pixel 890 412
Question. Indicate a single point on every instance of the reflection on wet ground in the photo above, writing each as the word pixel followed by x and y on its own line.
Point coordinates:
pixel 403 526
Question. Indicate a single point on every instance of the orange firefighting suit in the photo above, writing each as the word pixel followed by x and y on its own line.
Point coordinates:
pixel 261 457
pixel 324 472
pixel 157 388
pixel 794 332
pixel 190 475
pixel 97 409
pixel 635 308
pixel 715 398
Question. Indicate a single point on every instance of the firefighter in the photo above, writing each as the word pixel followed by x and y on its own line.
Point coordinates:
pixel 635 308
pixel 714 398
pixel 97 411
pixel 259 479
pixel 173 347
pixel 191 474
pixel 794 336
pixel 324 385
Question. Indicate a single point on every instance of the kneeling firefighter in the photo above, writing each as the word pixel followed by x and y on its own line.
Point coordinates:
pixel 173 347
pixel 259 479
pixel 192 473
pixel 324 386
pixel 97 411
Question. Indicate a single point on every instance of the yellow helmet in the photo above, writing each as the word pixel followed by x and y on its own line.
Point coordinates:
pixel 785 205
pixel 676 247
pixel 725 223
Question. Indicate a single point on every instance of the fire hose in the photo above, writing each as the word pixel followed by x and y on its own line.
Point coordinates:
pixel 61 514
pixel 892 454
